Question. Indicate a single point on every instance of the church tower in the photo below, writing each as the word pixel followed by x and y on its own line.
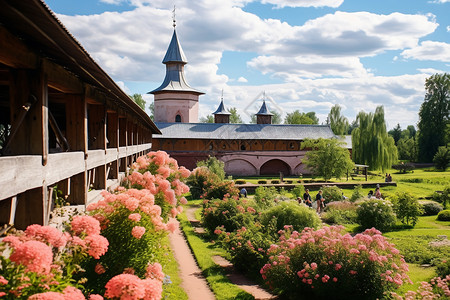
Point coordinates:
pixel 175 100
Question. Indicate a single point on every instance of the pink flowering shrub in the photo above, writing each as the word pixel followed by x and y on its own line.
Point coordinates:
pixel 128 286
pixel 206 184
pixel 158 173
pixel 437 288
pixel 327 264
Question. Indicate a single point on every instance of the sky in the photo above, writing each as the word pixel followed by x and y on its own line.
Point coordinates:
pixel 305 55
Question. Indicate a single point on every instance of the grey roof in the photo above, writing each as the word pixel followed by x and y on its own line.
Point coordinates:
pixel 347 140
pixel 174 52
pixel 223 131
pixel 221 110
pixel 264 111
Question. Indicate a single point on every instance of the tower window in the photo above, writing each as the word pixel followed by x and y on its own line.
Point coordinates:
pixel 243 147
pixel 178 119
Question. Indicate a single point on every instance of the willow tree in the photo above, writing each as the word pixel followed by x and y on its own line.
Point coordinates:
pixel 338 123
pixel 371 144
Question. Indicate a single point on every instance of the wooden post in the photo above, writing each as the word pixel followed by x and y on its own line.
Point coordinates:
pixel 31 207
pixel 123 141
pixel 113 138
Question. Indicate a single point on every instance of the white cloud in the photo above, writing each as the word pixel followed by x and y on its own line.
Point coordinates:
pixel 439 1
pixel 242 79
pixel 304 3
pixel 429 50
pixel 122 85
pixel 115 2
pixel 430 71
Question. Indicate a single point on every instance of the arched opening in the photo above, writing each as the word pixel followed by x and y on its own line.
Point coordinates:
pixel 274 167
pixel 178 119
pixel 243 147
pixel 240 167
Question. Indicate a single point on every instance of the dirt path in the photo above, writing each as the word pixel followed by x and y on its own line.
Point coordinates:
pixel 193 281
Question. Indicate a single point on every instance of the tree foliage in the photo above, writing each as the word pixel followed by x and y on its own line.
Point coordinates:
pixel 235 118
pixel 214 165
pixel 339 123
pixel 152 110
pixel 139 100
pixel 297 117
pixel 442 158
pixel 327 158
pixel 434 116
pixel 396 133
pixel 371 143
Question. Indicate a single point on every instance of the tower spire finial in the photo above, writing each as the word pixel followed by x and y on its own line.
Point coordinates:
pixel 222 96
pixel 173 18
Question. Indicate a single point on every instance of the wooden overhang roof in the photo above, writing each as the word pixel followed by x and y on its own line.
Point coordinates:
pixel 40 29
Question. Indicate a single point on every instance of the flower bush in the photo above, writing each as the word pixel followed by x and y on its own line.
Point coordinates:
pixel 376 213
pixel 438 288
pixel 332 193
pixel 204 183
pixel 340 212
pixel 265 196
pixel 327 264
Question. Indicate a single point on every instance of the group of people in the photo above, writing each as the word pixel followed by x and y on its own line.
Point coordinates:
pixel 307 200
pixel 388 178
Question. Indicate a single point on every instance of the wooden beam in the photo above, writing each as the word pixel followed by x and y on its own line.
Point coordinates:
pixel 76 122
pixel 14 53
pixel 61 79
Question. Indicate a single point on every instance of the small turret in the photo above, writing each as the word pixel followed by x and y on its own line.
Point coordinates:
pixel 264 116
pixel 221 115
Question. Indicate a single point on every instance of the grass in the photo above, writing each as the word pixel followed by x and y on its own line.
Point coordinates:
pixel 417 274
pixel 173 290
pixel 204 251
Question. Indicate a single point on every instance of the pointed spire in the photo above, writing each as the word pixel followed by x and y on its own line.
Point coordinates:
pixel 174 52
pixel 264 111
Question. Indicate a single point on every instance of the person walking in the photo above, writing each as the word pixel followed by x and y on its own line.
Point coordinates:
pixel 307 198
pixel 319 201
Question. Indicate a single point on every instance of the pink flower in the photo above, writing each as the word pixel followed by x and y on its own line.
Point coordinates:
pixel 85 224
pixel 172 225
pixel 153 289
pixel 95 297
pixel 154 271
pixel 72 293
pixel 138 231
pixel 34 255
pixel 313 266
pixel 97 245
pixel 183 200
pixel 135 217
pixel 125 286
pixel 3 281
pixel 47 234
pixel 47 296
pixel 184 172
pixel 131 203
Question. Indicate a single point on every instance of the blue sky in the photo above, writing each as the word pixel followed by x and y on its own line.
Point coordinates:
pixel 305 54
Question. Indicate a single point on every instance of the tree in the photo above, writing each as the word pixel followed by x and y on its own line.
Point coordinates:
pixel 412 131
pixel 297 117
pixel 276 118
pixel 442 158
pixel 139 100
pixel 407 149
pixel 207 119
pixel 406 207
pixel 434 116
pixel 327 158
pixel 214 165
pixel 152 110
pixel 352 126
pixel 338 123
pixel 371 144
pixel 396 133
pixel 234 117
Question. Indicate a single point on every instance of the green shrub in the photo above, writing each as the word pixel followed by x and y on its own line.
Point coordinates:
pixel 431 208
pixel 357 193
pixel 332 193
pixel 403 168
pixel 443 269
pixel 289 213
pixel 240 181
pixel 218 190
pixel 444 215
pixel 376 213
pixel 229 213
pixel 214 165
pixel 406 207
pixel 298 191
pixel 262 181
pixel 443 197
pixel 199 181
pixel 265 196
pixel 340 212
pixel 442 158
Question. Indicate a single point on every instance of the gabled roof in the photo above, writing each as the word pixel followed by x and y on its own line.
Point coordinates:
pixel 264 111
pixel 221 110
pixel 174 52
pixel 224 131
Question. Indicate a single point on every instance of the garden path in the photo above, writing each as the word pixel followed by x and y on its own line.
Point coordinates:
pixel 193 282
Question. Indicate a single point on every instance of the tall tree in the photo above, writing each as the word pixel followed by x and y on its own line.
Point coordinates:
pixel 396 133
pixel 276 118
pixel 434 116
pixel 338 122
pixel 328 158
pixel 352 126
pixel 297 117
pixel 371 144
pixel 234 117
pixel 207 119
pixel 412 130
pixel 139 100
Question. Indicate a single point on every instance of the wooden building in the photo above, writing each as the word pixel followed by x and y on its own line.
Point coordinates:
pixel 63 121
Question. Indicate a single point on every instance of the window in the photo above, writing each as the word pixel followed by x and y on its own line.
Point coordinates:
pixel 243 147
pixel 178 119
